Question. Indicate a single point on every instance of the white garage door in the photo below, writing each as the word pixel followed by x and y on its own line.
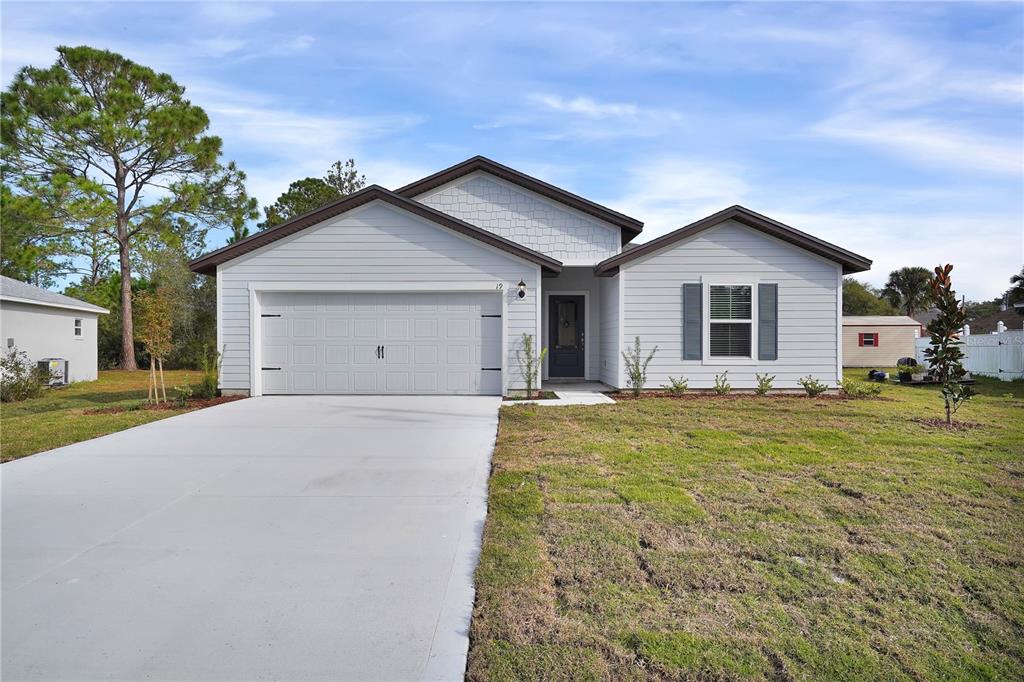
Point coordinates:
pixel 447 343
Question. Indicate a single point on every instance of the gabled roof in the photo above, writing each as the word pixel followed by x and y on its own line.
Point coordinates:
pixel 879 321
pixel 207 263
pixel 630 227
pixel 850 261
pixel 21 292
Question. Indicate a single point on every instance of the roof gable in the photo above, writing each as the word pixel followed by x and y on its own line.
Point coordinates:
pixel 630 227
pixel 851 262
pixel 207 263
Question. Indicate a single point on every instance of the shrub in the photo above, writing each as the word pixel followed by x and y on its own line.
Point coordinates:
pixel 722 386
pixel 184 394
pixel 529 362
pixel 852 388
pixel 813 387
pixel 764 383
pixel 636 366
pixel 20 378
pixel 676 386
pixel 208 380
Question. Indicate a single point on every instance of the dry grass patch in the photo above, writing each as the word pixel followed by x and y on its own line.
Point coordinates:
pixel 753 539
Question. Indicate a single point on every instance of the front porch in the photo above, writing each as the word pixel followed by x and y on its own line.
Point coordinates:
pixel 574 326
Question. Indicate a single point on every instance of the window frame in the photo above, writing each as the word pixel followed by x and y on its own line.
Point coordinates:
pixel 863 337
pixel 79 328
pixel 707 322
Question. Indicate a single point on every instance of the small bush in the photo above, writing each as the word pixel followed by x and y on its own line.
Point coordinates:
pixel 859 389
pixel 208 380
pixel 676 386
pixel 184 394
pixel 20 378
pixel 722 386
pixel 636 366
pixel 764 383
pixel 813 387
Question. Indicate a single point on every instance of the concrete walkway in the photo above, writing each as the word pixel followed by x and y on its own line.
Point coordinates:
pixel 271 538
pixel 574 393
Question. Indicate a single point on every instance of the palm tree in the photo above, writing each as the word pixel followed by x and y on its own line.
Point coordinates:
pixel 1016 292
pixel 908 289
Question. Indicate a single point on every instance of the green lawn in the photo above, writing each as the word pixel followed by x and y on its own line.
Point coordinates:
pixel 750 538
pixel 58 417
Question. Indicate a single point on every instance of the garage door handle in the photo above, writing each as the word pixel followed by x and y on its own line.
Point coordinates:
pixel 270 368
pixel 382 352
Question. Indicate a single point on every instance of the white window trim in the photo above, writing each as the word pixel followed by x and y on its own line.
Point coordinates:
pixel 706 322
pixel 78 326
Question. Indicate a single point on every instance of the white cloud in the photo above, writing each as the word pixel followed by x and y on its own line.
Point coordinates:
pixel 668 193
pixel 930 143
pixel 586 106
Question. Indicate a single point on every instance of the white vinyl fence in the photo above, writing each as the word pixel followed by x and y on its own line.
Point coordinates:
pixel 1000 354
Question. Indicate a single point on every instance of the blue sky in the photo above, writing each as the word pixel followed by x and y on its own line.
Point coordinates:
pixel 894 130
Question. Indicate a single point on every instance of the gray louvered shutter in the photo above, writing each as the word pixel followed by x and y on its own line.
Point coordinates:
pixel 767 321
pixel 693 324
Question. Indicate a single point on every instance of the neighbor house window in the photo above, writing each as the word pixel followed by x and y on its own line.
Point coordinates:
pixel 731 317
pixel 78 327
pixel 869 339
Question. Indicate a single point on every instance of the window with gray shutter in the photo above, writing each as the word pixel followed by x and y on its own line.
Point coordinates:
pixel 693 322
pixel 767 321
pixel 731 316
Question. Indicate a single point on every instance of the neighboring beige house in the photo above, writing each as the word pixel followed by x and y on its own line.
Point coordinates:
pixel 44 324
pixel 878 340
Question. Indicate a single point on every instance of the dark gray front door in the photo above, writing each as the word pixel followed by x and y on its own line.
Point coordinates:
pixel 565 336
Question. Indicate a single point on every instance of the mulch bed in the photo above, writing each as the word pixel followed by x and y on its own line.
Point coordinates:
pixel 192 404
pixel 939 423
pixel 699 395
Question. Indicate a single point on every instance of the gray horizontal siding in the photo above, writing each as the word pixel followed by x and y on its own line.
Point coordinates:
pixel 609 325
pixel 807 289
pixel 377 244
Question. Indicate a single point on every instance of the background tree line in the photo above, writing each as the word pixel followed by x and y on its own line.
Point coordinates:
pixel 111 184
pixel 908 292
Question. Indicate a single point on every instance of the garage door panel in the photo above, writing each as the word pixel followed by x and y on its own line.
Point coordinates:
pixel 365 328
pixel 397 354
pixel 303 354
pixel 397 328
pixel 337 328
pixel 336 355
pixel 432 343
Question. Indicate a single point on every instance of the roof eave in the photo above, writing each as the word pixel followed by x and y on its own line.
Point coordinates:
pixel 850 262
pixel 207 263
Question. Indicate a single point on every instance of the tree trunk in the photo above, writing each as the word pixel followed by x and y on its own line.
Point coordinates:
pixel 127 326
pixel 123 247
pixel 163 386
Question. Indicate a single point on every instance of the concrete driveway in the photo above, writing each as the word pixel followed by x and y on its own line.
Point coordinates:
pixel 271 538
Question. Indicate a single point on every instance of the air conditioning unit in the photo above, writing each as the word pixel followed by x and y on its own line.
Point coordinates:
pixel 58 369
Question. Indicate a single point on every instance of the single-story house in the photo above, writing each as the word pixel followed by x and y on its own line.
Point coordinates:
pixel 44 324
pixel 431 287
pixel 878 340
